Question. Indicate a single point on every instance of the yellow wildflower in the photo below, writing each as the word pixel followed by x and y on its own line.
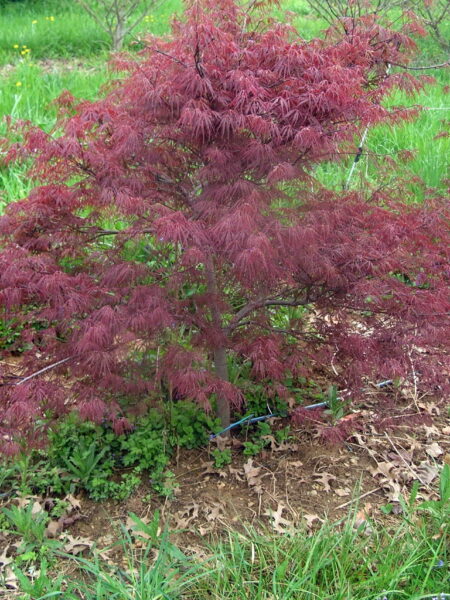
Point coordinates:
pixel 34 22
pixel 51 18
pixel 23 46
pixel 18 83
pixel 16 46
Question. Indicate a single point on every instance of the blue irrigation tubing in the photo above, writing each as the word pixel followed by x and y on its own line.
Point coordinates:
pixel 250 419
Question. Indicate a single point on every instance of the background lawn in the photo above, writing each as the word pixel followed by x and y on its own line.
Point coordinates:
pixel 47 46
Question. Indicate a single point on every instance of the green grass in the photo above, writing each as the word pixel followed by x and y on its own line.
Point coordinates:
pixel 61 29
pixel 408 561
pixel 27 92
pixel 79 51
pixel 430 155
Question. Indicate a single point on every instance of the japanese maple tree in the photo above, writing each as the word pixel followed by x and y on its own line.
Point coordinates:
pixel 174 229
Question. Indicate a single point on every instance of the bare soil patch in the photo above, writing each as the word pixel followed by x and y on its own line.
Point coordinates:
pixel 299 482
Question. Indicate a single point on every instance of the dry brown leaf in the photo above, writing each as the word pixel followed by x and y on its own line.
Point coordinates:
pixel 5 560
pixel 24 501
pixel 310 518
pixel 393 490
pixel 210 469
pixel 430 431
pixel 74 502
pixel 342 492
pixel 386 469
pixel 134 529
pixel 325 478
pixel 360 439
pixel 447 459
pixel 278 522
pixel 280 447
pixel 295 464
pixel 286 447
pixel 400 457
pixel 434 450
pixel 430 408
pixel 185 516
pixel 238 473
pixel 53 528
pixel 221 441
pixel 253 476
pixel 426 472
pixel 212 513
pixel 9 581
pixel 68 520
pixel 414 444
pixel 77 545
pixel 37 508
pixel 236 443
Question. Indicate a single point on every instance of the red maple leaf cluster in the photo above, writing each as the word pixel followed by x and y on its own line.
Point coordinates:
pixel 174 224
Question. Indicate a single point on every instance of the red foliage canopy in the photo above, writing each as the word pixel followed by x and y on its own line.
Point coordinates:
pixel 174 226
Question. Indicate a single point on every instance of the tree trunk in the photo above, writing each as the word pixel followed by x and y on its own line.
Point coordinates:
pixel 219 353
pixel 221 368
pixel 118 36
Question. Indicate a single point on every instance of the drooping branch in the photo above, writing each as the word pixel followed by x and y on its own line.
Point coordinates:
pixel 262 303
pixel 43 370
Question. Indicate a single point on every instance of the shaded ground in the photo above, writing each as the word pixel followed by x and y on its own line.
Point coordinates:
pixel 298 481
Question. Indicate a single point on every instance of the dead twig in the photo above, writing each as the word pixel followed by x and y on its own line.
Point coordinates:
pixel 359 497
pixel 410 469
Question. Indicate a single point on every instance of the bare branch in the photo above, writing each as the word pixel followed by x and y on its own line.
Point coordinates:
pixel 440 66
pixel 45 369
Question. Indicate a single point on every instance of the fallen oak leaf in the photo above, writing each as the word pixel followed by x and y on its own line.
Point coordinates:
pixel 310 518
pixel 212 513
pixel 9 580
pixel 295 464
pixel 431 430
pixel 325 478
pixel 53 529
pixel 185 516
pixel 385 469
pixel 393 489
pixel 279 447
pixel 210 469
pixel 427 472
pixel 236 473
pixel 5 560
pixel 74 502
pixel 77 545
pixel 278 522
pixel 342 492
pixel 434 450
pixel 253 476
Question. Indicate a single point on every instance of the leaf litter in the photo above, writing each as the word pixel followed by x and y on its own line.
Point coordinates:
pixel 301 482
